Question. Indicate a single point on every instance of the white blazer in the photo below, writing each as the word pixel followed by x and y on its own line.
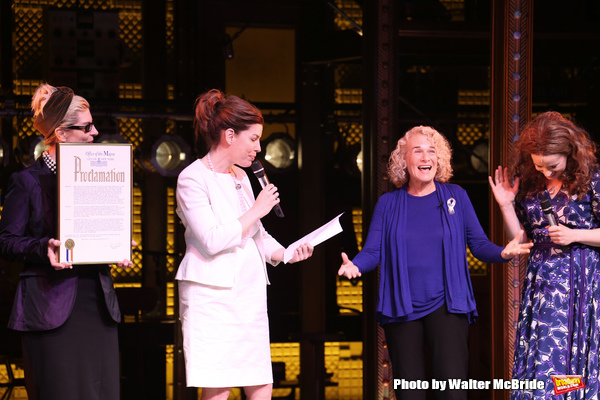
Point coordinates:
pixel 209 210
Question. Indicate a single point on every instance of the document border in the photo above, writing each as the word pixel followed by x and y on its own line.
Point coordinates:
pixel 123 161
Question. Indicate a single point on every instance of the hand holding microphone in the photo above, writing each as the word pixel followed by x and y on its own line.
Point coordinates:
pixel 558 233
pixel 259 171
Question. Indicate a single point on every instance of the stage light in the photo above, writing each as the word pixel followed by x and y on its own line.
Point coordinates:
pixel 480 157
pixel 29 149
pixel 170 155
pixel 4 153
pixel 279 150
pixel 359 161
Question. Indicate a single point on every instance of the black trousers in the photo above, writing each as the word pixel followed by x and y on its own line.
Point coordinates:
pixel 445 335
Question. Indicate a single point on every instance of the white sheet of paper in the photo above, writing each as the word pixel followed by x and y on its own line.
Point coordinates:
pixel 317 236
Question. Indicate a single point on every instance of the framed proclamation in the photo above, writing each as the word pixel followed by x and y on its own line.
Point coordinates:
pixel 94 202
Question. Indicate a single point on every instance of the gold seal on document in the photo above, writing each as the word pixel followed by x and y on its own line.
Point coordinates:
pixel 69 244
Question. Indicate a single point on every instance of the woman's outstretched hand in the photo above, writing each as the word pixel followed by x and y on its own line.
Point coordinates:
pixel 515 247
pixel 348 269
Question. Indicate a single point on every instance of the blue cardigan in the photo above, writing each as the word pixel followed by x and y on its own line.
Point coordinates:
pixel 386 246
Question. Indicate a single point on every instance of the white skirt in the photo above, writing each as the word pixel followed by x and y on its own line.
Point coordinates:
pixel 226 330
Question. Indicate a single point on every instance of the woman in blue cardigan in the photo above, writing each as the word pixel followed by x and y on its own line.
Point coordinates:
pixel 419 234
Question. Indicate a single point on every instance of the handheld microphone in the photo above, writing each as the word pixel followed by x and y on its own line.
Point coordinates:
pixel 551 217
pixel 549 212
pixel 259 171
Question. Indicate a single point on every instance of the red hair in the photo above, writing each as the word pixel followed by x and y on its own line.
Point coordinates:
pixel 548 134
pixel 216 113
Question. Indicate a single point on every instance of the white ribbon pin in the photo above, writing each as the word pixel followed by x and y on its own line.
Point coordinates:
pixel 451 203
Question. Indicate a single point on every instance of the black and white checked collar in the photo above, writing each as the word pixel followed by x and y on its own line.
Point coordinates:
pixel 49 161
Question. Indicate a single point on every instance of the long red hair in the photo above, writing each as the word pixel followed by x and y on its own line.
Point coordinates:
pixel 548 134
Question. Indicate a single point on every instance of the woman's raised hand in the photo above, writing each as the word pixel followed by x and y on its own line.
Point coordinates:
pixel 504 191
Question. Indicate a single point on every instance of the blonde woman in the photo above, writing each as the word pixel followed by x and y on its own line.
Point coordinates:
pixel 67 314
pixel 419 234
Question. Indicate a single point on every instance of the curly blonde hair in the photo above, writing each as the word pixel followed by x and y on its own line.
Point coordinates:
pixel 397 164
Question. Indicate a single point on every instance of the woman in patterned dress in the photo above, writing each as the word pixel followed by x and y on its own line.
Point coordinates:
pixel 558 328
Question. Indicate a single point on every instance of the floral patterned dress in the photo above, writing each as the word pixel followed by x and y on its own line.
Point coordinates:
pixel 558 331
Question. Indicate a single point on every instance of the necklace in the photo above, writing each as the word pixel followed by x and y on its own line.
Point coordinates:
pixel 237 183
pixel 210 164
pixel 554 188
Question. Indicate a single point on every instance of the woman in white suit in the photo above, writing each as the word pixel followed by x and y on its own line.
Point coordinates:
pixel 223 276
